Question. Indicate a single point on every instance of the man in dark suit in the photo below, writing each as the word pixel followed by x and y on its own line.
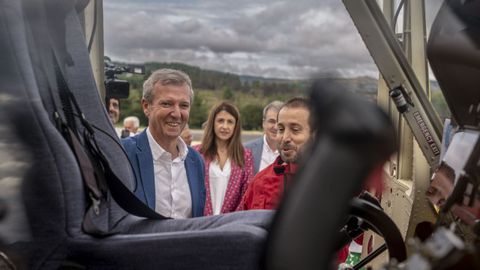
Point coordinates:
pixel 264 149
pixel 169 174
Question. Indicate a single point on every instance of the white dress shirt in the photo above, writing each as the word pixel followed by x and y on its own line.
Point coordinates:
pixel 172 192
pixel 218 183
pixel 268 155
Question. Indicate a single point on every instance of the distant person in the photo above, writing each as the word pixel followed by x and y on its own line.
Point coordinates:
pixel 113 106
pixel 130 126
pixel 294 132
pixel 264 149
pixel 169 174
pixel 187 135
pixel 228 165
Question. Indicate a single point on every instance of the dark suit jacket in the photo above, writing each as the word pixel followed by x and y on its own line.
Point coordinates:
pixel 140 156
pixel 257 147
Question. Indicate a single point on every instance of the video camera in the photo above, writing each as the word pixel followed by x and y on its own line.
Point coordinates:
pixel 115 88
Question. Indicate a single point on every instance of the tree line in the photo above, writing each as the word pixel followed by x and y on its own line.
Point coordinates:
pixel 249 93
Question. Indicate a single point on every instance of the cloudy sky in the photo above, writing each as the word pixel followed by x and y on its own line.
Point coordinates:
pixel 270 38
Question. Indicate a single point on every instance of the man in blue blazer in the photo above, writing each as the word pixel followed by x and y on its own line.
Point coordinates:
pixel 169 174
pixel 264 149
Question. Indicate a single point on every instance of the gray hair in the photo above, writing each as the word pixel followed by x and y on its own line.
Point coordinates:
pixel 166 76
pixel 133 119
pixel 276 105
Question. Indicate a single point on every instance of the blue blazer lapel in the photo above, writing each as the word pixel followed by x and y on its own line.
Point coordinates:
pixel 194 169
pixel 145 161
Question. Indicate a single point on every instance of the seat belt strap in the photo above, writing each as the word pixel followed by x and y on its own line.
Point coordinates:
pixel 105 177
pixel 96 171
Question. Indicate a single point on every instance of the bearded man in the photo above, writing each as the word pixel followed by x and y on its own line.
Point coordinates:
pixel 294 132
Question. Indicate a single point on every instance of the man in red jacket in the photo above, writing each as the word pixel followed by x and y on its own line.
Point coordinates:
pixel 294 131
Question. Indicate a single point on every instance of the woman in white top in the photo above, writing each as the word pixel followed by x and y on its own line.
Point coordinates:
pixel 228 165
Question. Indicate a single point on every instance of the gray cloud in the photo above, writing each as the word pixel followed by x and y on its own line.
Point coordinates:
pixel 272 38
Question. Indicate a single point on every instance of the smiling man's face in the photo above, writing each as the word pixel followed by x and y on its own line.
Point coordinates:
pixel 169 111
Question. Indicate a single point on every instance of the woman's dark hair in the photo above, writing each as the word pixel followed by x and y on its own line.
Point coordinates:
pixel 234 144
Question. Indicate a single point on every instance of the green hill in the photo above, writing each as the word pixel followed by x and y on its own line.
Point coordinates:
pixel 249 93
pixel 201 78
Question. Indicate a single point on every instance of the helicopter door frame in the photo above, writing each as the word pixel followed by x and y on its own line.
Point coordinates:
pixel 398 75
pixel 403 67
